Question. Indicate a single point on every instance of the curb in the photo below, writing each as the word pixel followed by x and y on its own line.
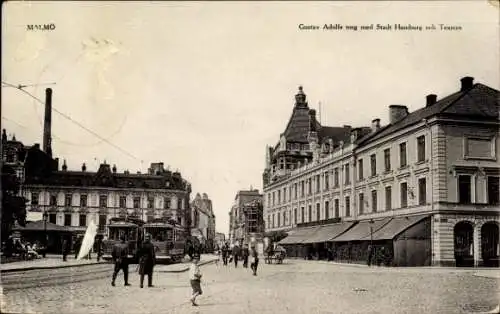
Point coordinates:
pixel 46 267
pixel 491 276
pixel 2 271
pixel 186 268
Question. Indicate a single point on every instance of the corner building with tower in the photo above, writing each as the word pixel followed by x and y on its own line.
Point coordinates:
pixel 422 190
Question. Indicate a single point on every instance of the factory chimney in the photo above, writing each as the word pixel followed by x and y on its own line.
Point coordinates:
pixel 47 126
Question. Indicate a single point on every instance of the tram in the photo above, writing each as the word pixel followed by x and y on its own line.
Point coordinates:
pixel 131 228
pixel 168 239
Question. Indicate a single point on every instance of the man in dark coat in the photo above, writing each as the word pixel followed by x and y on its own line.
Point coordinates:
pixel 369 255
pixel 236 254
pixel 98 248
pixel 245 254
pixel 65 249
pixel 147 260
pixel 120 258
pixel 254 260
pixel 225 253
pixel 77 246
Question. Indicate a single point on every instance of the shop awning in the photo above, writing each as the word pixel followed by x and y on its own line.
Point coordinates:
pixel 395 227
pixel 362 230
pixel 299 235
pixel 327 232
pixel 41 226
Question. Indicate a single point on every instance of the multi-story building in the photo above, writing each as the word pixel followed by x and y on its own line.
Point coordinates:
pixel 74 198
pixel 220 239
pixel 425 186
pixel 245 217
pixel 203 221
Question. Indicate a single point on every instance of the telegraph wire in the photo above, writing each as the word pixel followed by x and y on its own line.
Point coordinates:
pixel 55 137
pixel 20 87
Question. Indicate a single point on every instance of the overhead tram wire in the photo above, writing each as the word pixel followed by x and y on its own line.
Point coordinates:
pixel 32 130
pixel 20 87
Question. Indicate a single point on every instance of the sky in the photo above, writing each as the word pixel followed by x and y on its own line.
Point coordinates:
pixel 205 86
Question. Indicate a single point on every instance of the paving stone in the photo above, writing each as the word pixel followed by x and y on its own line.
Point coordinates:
pixel 294 287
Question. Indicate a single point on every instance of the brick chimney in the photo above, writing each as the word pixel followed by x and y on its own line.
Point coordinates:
pixel 397 112
pixel 375 125
pixel 354 134
pixel 47 126
pixel 431 99
pixel 467 83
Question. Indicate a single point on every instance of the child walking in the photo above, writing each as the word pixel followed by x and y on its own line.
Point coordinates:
pixel 195 279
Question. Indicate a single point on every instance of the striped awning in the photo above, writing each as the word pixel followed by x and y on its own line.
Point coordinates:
pixel 396 226
pixel 328 232
pixel 362 230
pixel 299 235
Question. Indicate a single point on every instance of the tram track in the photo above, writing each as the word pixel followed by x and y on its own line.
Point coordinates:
pixel 53 277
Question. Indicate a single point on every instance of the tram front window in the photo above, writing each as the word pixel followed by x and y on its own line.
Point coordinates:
pixel 115 234
pixel 157 234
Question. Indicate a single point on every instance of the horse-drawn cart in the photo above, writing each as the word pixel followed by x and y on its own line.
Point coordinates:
pixel 277 254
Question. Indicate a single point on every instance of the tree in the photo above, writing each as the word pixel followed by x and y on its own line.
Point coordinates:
pixel 13 205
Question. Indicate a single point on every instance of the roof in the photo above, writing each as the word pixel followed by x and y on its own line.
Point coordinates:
pixel 395 227
pixel 109 179
pixel 297 128
pixel 122 224
pixel 40 225
pixel 362 230
pixel 158 225
pixel 479 101
pixel 337 134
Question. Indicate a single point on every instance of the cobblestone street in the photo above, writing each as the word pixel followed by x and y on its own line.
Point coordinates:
pixel 294 287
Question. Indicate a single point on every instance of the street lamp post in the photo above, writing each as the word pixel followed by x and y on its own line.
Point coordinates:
pixel 45 244
pixel 371 232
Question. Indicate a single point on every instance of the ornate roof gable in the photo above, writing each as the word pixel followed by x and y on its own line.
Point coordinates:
pixel 104 176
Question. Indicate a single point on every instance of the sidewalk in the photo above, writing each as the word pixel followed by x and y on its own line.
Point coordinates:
pixel 50 261
pixel 55 261
pixel 478 271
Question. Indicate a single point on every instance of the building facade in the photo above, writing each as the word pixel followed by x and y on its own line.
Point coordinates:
pixel 203 221
pixel 429 177
pixel 74 198
pixel 220 239
pixel 245 217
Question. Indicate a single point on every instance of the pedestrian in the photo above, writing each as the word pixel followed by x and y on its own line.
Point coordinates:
pixel 219 257
pixel 236 254
pixel 98 248
pixel 370 255
pixel 225 253
pixel 65 249
pixel 77 245
pixel 254 260
pixel 147 261
pixel 120 259
pixel 195 279
pixel 245 255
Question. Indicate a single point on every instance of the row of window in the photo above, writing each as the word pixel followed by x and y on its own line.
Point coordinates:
pixel 277 197
pixel 103 201
pixel 277 220
pixel 82 219
pixel 273 222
